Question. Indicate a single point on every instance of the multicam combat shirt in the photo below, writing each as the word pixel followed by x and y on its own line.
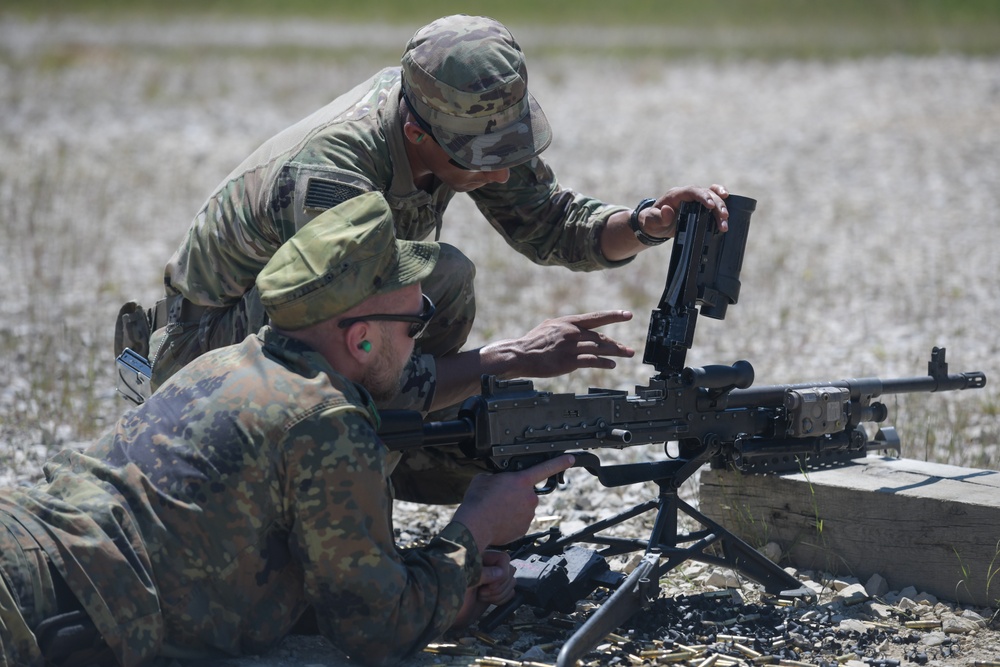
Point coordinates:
pixel 251 485
pixel 355 144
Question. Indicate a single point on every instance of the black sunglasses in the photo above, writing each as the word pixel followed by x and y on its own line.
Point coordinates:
pixel 418 322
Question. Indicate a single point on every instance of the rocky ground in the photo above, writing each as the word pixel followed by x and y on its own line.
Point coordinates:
pixel 706 616
pixel 873 241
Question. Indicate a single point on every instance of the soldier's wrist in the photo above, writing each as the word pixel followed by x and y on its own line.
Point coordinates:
pixel 633 223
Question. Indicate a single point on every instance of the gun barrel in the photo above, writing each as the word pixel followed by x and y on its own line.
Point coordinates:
pixel 927 383
pixel 774 395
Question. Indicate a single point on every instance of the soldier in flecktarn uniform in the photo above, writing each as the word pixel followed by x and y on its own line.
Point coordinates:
pixel 252 487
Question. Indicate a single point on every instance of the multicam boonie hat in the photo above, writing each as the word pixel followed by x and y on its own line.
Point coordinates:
pixel 465 77
pixel 342 257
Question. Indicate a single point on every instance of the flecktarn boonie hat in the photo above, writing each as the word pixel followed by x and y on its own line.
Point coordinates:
pixel 466 78
pixel 345 255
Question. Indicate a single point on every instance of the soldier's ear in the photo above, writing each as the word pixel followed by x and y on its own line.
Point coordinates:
pixel 413 133
pixel 357 339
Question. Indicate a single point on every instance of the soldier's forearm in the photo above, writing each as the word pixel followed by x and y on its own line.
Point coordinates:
pixel 459 375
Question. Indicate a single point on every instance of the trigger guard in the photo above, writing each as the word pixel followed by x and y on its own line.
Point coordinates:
pixel 551 484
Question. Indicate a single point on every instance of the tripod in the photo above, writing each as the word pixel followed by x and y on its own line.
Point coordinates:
pixel 665 549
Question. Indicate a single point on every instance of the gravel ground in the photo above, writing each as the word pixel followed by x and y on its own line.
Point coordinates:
pixel 873 239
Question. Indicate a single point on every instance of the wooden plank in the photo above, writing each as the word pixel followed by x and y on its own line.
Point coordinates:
pixel 935 527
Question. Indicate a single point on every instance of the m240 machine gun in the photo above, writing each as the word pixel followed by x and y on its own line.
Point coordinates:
pixel 712 413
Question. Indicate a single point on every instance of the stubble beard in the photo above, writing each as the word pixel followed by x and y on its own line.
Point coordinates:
pixel 383 375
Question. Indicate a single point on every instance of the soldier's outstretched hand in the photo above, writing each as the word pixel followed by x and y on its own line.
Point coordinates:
pixel 562 345
pixel 555 347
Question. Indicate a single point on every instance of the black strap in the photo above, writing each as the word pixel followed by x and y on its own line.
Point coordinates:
pixel 70 638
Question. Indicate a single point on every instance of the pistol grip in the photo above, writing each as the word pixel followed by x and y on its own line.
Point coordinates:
pixel 582 460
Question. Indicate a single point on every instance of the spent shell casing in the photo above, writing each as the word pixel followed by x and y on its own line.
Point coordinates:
pixel 494 661
pixel 450 649
pixel 709 661
pixel 697 649
pixel 746 650
pixel 922 625
pixel 484 638
pixel 667 656
pixel 728 661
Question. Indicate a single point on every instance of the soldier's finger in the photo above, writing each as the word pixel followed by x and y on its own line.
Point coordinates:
pixel 600 318
pixel 593 361
pixel 603 348
pixel 493 574
pixel 542 471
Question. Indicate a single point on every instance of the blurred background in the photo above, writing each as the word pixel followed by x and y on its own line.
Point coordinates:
pixel 868 131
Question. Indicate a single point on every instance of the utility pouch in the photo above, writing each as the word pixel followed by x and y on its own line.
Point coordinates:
pixel 134 373
pixel 132 329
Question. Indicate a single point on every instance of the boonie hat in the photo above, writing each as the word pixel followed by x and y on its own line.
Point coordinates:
pixel 465 77
pixel 345 255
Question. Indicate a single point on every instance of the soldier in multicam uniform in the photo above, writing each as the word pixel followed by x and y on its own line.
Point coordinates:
pixel 253 486
pixel 455 117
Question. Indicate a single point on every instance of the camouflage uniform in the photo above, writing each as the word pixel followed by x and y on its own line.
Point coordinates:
pixel 356 144
pixel 213 514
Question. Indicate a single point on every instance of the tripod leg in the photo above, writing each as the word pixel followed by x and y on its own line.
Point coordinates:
pixel 743 558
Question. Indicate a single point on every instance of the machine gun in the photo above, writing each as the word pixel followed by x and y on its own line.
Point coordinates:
pixel 713 414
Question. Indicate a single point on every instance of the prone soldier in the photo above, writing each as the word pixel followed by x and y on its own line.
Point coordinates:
pixel 252 487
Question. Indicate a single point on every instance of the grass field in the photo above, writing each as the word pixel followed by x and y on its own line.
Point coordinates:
pixel 868 132
pixel 721 28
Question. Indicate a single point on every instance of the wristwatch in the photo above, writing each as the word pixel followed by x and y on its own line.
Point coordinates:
pixel 633 222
